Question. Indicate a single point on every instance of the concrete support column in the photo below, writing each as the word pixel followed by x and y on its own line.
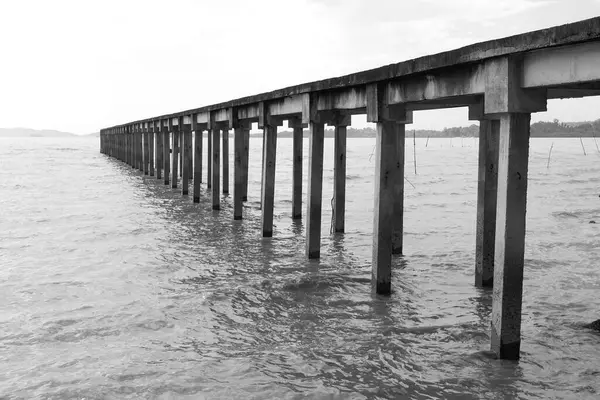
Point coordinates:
pixel 185 179
pixel 146 153
pixel 197 163
pixel 339 173
pixel 510 235
pixel 297 169
pixel 315 190
pixel 151 151
pixel 238 173
pixel 159 152
pixel 134 149
pixel 386 149
pixel 180 147
pixel 262 164
pixel 489 131
pixel 398 219
pixel 175 157
pixel 225 161
pixel 216 192
pixel 268 179
pixel 140 145
pixel 245 163
pixel 166 153
pixel 209 159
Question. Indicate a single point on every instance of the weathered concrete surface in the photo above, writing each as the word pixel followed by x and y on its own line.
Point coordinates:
pixel 268 180
pixel 510 235
pixel 216 150
pixel 385 173
pixel 297 171
pixel 485 241
pixel 339 178
pixel 315 190
pixel 238 173
pixel 197 163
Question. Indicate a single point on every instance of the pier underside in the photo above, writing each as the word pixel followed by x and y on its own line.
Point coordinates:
pixel 501 82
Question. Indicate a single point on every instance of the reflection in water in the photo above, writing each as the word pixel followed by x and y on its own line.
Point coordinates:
pixel 117 286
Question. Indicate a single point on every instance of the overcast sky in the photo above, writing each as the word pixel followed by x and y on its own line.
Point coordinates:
pixel 79 66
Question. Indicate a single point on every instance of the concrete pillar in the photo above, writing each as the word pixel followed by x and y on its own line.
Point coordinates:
pixel 510 235
pixel 146 162
pixel 166 153
pixel 485 242
pixel 245 164
pixel 339 178
pixel 262 163
pixel 386 147
pixel 180 147
pixel 151 150
pixel 140 149
pixel 134 149
pixel 315 190
pixel 175 157
pixel 297 169
pixel 216 193
pixel 197 163
pixel 238 173
pixel 159 151
pixel 398 219
pixel 186 136
pixel 225 161
pixel 209 159
pixel 268 179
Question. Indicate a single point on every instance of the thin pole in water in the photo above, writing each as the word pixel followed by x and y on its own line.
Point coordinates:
pixel 549 154
pixel 582 146
pixel 415 150
pixel 594 136
pixel 427 142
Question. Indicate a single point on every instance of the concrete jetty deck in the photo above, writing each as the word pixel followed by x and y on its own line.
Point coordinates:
pixel 501 82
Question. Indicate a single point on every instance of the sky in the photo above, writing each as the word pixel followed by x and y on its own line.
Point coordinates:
pixel 79 66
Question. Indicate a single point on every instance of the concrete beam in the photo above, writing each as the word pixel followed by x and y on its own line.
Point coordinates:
pixel 562 65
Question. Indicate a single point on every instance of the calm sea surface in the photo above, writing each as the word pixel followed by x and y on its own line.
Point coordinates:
pixel 113 285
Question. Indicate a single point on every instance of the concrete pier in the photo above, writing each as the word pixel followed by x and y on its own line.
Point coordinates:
pixel 268 180
pixel 296 125
pixel 166 130
pixel 175 154
pixel 339 172
pixel 146 137
pixel 245 160
pixel 159 149
pixel 315 189
pixel 238 173
pixel 225 161
pixel 151 148
pixel 186 135
pixel 510 235
pixel 216 149
pixel 486 202
pixel 502 82
pixel 209 160
pixel 398 223
pixel 197 159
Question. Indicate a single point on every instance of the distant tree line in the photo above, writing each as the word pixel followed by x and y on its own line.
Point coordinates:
pixel 538 129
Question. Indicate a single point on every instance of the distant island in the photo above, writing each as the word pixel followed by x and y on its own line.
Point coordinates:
pixel 542 129
pixel 28 132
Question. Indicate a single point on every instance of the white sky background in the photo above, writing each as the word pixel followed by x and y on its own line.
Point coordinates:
pixel 79 66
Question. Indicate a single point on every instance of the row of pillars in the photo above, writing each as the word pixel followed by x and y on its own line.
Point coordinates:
pixel 502 188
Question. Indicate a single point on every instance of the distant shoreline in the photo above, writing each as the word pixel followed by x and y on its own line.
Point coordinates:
pixel 543 129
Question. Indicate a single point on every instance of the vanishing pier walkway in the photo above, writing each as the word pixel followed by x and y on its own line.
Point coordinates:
pixel 501 81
